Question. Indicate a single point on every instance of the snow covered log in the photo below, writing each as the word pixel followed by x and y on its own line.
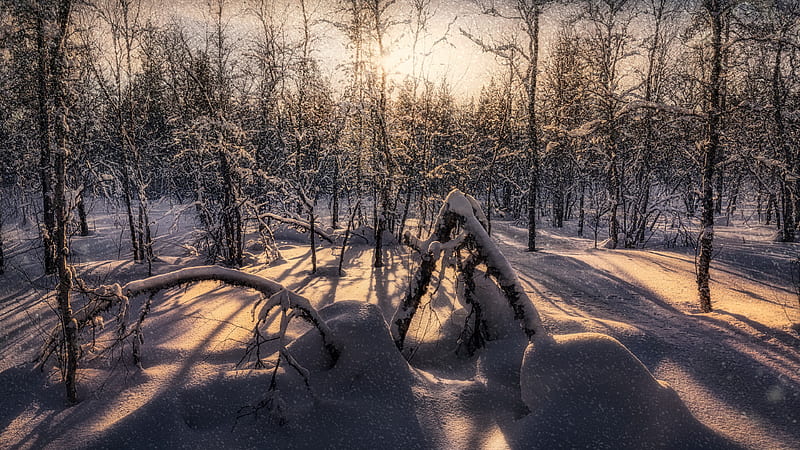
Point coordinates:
pixel 301 224
pixel 268 287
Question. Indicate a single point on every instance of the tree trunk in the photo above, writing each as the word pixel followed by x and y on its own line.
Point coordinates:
pixel 128 198
pixel 406 210
pixel 83 224
pixel 533 138
pixel 581 208
pixel 45 151
pixel 231 215
pixel 714 9
pixel 335 196
pixel 613 194
pixel 2 255
pixel 787 193
pixel 311 231
pixel 61 209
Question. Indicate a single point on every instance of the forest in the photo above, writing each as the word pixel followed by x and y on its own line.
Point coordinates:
pixel 477 208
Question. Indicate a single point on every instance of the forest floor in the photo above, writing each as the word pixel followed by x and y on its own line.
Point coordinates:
pixel 737 368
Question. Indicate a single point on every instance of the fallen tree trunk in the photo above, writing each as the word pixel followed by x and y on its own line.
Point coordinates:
pixel 301 224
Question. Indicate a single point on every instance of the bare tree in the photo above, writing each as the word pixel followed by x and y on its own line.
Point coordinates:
pixel 660 15
pixel 122 19
pixel 716 12
pixel 44 59
pixel 525 14
pixel 59 66
pixel 606 47
pixel 379 21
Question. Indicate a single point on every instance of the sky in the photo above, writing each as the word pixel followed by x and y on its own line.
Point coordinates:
pixel 444 51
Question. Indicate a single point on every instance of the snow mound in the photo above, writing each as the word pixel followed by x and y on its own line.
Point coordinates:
pixel 588 390
pixel 366 399
pixel 368 357
pixel 498 316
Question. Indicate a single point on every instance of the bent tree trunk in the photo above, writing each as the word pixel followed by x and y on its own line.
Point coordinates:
pixel 462 210
pixel 237 278
pixel 107 297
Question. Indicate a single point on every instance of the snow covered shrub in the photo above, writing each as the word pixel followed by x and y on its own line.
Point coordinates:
pixel 216 163
pixel 582 390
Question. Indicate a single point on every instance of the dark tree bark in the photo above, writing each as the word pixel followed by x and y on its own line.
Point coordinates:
pixel 61 208
pixel 2 255
pixel 531 15
pixel 80 207
pixel 384 179
pixel 45 150
pixel 715 10
pixel 335 195
pixel 581 206
pixel 787 193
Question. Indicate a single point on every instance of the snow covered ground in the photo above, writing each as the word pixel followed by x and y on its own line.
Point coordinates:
pixel 736 369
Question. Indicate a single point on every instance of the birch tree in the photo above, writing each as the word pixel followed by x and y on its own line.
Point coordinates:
pixel 715 15
pixel 525 16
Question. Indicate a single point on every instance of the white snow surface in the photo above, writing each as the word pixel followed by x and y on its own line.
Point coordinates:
pixel 620 321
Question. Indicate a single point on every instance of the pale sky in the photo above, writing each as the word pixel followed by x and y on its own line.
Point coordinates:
pixel 456 58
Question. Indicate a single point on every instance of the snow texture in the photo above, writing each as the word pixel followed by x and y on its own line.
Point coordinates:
pixel 734 371
pixel 614 401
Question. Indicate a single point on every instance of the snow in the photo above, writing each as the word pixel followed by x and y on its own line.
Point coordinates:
pixel 614 400
pixel 618 321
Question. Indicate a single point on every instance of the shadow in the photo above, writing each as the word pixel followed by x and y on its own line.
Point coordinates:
pixel 151 405
pixel 728 363
pixel 761 298
pixel 768 333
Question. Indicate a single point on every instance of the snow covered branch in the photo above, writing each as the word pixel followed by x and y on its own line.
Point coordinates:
pixel 301 224
pixel 498 266
pixel 104 298
pixel 460 210
pixel 267 287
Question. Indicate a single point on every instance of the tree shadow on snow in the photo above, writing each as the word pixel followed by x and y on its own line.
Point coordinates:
pixel 708 348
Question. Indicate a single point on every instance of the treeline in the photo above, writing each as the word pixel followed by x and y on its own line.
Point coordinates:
pixel 626 114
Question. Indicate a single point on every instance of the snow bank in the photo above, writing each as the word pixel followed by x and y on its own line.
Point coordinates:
pixel 588 390
pixel 367 353
pixel 365 400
